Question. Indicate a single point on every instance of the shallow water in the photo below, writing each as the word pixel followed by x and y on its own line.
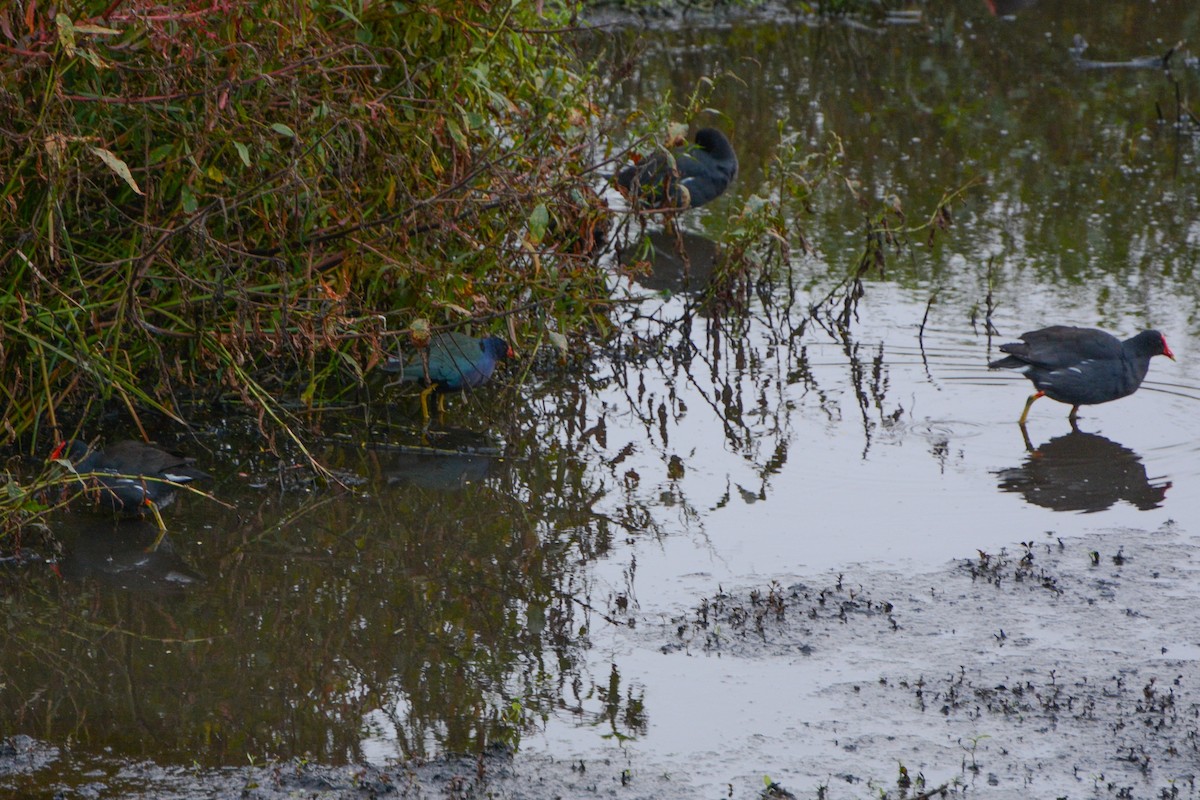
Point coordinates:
pixel 530 589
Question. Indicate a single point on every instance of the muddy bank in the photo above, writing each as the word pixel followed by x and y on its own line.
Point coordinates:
pixel 1051 669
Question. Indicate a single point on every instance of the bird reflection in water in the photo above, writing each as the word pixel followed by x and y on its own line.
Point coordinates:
pixel 438 472
pixel 679 262
pixel 125 556
pixel 455 459
pixel 1082 472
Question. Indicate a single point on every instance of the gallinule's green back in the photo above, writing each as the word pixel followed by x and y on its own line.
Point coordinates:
pixel 453 362
pixel 683 177
pixel 1081 366
pixel 129 477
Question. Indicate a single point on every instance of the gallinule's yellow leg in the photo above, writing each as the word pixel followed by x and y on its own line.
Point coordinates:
pixel 1028 403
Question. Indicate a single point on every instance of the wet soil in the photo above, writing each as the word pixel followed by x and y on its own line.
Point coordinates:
pixel 1048 669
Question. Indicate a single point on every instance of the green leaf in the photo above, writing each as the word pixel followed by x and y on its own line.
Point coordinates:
pixel 215 175
pixel 348 14
pixel 538 221
pixel 189 199
pixel 161 152
pixel 93 58
pixel 66 33
pixel 456 133
pixel 99 30
pixel 243 152
pixel 283 130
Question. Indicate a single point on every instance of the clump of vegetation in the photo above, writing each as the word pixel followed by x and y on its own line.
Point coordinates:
pixel 246 202
pixel 777 614
pixel 1000 568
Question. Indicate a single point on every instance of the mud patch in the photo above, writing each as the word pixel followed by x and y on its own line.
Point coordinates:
pixel 1056 669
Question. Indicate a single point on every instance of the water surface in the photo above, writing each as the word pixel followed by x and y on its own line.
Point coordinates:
pixel 519 580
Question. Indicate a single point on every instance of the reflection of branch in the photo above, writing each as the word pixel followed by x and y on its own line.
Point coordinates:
pixel 589 607
pixel 881 236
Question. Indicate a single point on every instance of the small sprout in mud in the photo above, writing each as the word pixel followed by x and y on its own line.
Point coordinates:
pixel 1119 558
pixel 1001 636
pixel 626 777
pixel 904 782
pixel 971 748
pixel 1095 556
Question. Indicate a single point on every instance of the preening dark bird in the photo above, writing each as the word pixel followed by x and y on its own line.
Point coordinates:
pixel 1081 366
pixel 129 477
pixel 682 177
pixel 453 362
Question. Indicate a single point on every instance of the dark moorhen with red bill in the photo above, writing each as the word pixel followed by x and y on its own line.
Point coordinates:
pixel 682 177
pixel 453 362
pixel 1081 366
pixel 129 477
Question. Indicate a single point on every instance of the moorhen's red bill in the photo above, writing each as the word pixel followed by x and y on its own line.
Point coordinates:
pixel 453 362
pixel 1081 366
pixel 688 177
pixel 129 477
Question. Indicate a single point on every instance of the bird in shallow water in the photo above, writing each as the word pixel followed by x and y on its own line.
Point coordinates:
pixel 453 362
pixel 1081 366
pixel 129 477
pixel 682 177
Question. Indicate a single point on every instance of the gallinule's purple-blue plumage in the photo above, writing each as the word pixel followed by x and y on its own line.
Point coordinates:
pixel 453 362
pixel 129 477
pixel 683 177
pixel 1081 366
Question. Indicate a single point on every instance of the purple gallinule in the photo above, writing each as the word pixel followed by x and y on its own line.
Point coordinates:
pixel 1081 366
pixel 129 477
pixel 682 177
pixel 453 362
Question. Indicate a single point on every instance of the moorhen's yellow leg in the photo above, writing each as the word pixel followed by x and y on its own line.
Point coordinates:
pixel 1025 436
pixel 441 404
pixel 1028 403
pixel 162 526
pixel 425 401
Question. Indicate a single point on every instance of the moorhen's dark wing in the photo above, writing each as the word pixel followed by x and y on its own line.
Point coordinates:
pixel 128 475
pixel 141 459
pixel 1062 346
